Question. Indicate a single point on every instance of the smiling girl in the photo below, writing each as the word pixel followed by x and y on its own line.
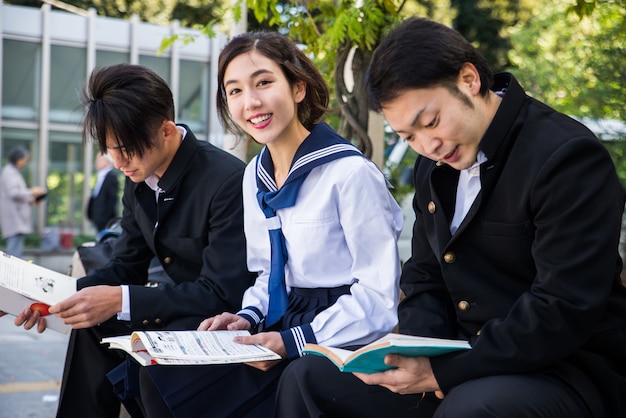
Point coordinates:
pixel 321 230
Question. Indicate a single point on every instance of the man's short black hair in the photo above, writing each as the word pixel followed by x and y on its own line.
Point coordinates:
pixel 128 103
pixel 420 53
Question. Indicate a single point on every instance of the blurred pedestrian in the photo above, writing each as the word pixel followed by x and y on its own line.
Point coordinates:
pixel 16 200
pixel 103 202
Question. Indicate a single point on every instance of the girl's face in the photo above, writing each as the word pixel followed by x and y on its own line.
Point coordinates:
pixel 261 100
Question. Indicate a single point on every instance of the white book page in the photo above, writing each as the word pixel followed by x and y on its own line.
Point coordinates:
pixel 33 281
pixel 413 340
pixel 23 283
pixel 340 353
pixel 13 303
pixel 202 345
pixel 121 342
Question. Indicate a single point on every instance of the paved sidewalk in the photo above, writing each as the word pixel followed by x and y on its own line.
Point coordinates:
pixel 31 366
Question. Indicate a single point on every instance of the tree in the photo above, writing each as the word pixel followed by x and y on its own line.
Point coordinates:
pixel 485 23
pixel 576 61
pixel 338 34
pixel 342 34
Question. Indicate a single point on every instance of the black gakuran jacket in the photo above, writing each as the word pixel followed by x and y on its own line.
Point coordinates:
pixel 532 275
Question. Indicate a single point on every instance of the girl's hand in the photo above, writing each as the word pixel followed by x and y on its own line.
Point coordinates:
pixel 226 321
pixel 271 340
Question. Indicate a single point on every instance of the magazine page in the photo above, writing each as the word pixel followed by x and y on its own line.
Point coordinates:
pixel 201 345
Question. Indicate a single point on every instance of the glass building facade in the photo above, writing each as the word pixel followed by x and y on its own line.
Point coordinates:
pixel 46 57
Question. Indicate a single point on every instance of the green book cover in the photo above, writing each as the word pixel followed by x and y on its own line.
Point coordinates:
pixel 370 358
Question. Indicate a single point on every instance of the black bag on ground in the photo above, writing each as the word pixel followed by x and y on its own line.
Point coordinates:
pixel 93 255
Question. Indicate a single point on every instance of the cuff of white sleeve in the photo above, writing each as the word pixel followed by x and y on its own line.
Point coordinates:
pixel 124 315
pixel 295 338
pixel 252 315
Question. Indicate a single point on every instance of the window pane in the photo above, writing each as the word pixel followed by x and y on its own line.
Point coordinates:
pixel 193 95
pixel 67 75
pixel 161 66
pixel 107 58
pixel 65 179
pixel 20 80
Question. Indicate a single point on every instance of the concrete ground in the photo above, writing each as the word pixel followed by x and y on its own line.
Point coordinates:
pixel 31 366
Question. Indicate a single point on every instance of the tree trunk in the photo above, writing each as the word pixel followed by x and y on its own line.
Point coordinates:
pixel 353 102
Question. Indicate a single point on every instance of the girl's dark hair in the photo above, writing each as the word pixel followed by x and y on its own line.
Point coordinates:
pixel 295 66
pixel 17 154
pixel 126 102
pixel 419 53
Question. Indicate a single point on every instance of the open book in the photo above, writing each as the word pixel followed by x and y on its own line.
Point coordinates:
pixel 27 285
pixel 370 358
pixel 189 347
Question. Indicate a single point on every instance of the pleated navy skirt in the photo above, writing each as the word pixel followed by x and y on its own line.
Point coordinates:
pixel 237 390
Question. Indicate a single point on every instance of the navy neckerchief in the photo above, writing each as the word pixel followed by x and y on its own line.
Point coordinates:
pixel 323 145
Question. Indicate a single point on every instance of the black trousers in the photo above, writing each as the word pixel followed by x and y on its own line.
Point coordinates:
pixel 85 389
pixel 314 387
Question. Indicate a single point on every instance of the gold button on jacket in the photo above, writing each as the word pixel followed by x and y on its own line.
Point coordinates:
pixel 464 306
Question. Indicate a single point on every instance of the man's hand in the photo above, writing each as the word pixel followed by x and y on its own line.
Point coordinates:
pixel 29 318
pixel 412 375
pixel 271 340
pixel 89 306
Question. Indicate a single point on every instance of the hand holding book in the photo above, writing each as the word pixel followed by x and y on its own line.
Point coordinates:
pixel 26 285
pixel 371 358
